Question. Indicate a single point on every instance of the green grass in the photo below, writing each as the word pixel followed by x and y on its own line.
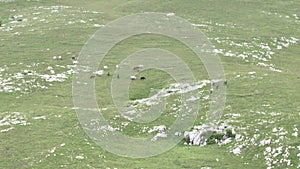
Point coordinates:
pixel 29 146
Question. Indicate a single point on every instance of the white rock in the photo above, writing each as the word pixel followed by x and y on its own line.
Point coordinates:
pixel 170 14
pixel 158 128
pixel 226 141
pixel 236 151
pixel 178 133
pixel 40 118
pixel 251 73
pixel 6 130
pixel 133 77
pixel 79 157
pixel 98 25
pixel 268 149
pixel 52 72
pixel 265 142
pixel 99 72
pixel 262 64
pixel 238 137
pixel 52 150
pixel 295 134
pixel 159 135
pixel 19 76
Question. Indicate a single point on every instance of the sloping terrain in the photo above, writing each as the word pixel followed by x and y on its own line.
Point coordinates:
pixel 257 42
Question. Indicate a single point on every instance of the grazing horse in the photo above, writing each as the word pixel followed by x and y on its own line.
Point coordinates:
pixel 132 77
pixel 225 83
pixel 138 68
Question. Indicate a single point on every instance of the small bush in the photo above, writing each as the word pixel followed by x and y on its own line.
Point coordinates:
pixel 210 141
pixel 218 136
pixel 229 133
pixel 215 136
pixel 186 140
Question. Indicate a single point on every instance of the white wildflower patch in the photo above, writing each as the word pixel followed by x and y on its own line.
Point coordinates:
pixel 258 50
pixel 9 120
pixel 289 18
pixel 270 137
pixel 28 79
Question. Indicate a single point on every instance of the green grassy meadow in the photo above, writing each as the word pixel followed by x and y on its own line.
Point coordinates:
pixel 257 42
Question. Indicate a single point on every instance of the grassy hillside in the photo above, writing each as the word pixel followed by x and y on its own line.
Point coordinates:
pixel 257 42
